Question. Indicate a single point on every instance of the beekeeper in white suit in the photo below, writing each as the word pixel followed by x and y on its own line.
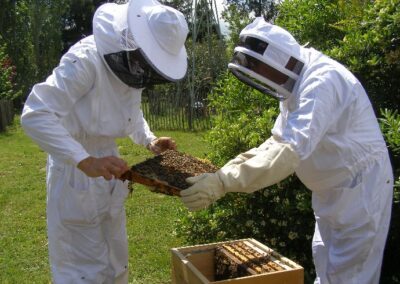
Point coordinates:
pixel 91 98
pixel 328 135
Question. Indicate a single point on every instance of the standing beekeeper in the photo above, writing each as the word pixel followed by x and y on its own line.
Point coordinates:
pixel 91 98
pixel 326 133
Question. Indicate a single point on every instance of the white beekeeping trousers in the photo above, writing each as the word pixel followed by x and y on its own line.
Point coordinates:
pixel 86 223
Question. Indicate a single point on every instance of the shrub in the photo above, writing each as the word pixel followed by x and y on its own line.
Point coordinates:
pixel 371 49
pixel 312 22
pixel 7 75
pixel 390 125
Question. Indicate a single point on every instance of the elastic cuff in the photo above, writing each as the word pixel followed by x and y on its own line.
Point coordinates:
pixel 78 157
pixel 220 175
pixel 149 140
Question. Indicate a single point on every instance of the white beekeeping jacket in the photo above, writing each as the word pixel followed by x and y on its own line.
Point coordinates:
pixel 330 123
pixel 82 99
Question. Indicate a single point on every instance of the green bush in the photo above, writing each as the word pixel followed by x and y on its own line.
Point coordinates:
pixel 238 112
pixel 7 75
pixel 390 125
pixel 312 22
pixel 371 49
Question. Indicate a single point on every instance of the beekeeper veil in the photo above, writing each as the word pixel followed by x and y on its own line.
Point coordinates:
pixel 267 58
pixel 142 42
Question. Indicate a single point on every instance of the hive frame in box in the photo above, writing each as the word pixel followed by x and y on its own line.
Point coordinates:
pixel 195 265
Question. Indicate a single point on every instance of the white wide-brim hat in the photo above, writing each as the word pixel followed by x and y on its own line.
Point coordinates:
pixel 160 31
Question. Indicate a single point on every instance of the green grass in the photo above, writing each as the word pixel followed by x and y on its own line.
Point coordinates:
pixel 23 238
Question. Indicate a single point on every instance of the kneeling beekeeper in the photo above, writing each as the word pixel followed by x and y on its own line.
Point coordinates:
pixel 326 133
pixel 91 98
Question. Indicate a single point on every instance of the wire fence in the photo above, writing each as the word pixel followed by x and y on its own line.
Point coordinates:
pixel 6 114
pixel 175 110
pixel 163 110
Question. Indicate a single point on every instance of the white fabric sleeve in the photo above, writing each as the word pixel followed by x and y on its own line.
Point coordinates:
pixel 51 100
pixel 263 167
pixel 251 153
pixel 142 134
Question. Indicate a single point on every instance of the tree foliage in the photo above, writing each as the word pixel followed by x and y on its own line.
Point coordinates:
pixel 16 33
pixel 238 14
pixel 77 20
pixel 390 125
pixel 264 8
pixel 371 49
pixel 236 20
pixel 7 75
pixel 313 22
pixel 32 33
pixel 38 32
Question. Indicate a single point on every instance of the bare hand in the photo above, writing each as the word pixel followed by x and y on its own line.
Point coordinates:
pixel 107 167
pixel 161 144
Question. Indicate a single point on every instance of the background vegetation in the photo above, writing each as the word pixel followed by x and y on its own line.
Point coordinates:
pixel 363 35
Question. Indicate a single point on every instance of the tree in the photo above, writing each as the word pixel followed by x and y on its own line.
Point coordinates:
pixel 236 20
pixel 313 22
pixel 16 33
pixel 265 8
pixel 31 31
pixel 46 23
pixel 239 14
pixel 371 49
pixel 7 75
pixel 77 20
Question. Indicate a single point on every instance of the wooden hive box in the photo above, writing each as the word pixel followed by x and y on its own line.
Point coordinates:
pixel 197 265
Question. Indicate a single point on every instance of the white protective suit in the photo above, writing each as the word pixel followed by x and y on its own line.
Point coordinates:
pixel 76 113
pixel 344 161
pixel 328 134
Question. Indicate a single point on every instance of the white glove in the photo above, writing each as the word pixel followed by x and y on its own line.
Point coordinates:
pixel 207 189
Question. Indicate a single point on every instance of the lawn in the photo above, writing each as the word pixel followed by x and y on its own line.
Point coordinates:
pixel 23 240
